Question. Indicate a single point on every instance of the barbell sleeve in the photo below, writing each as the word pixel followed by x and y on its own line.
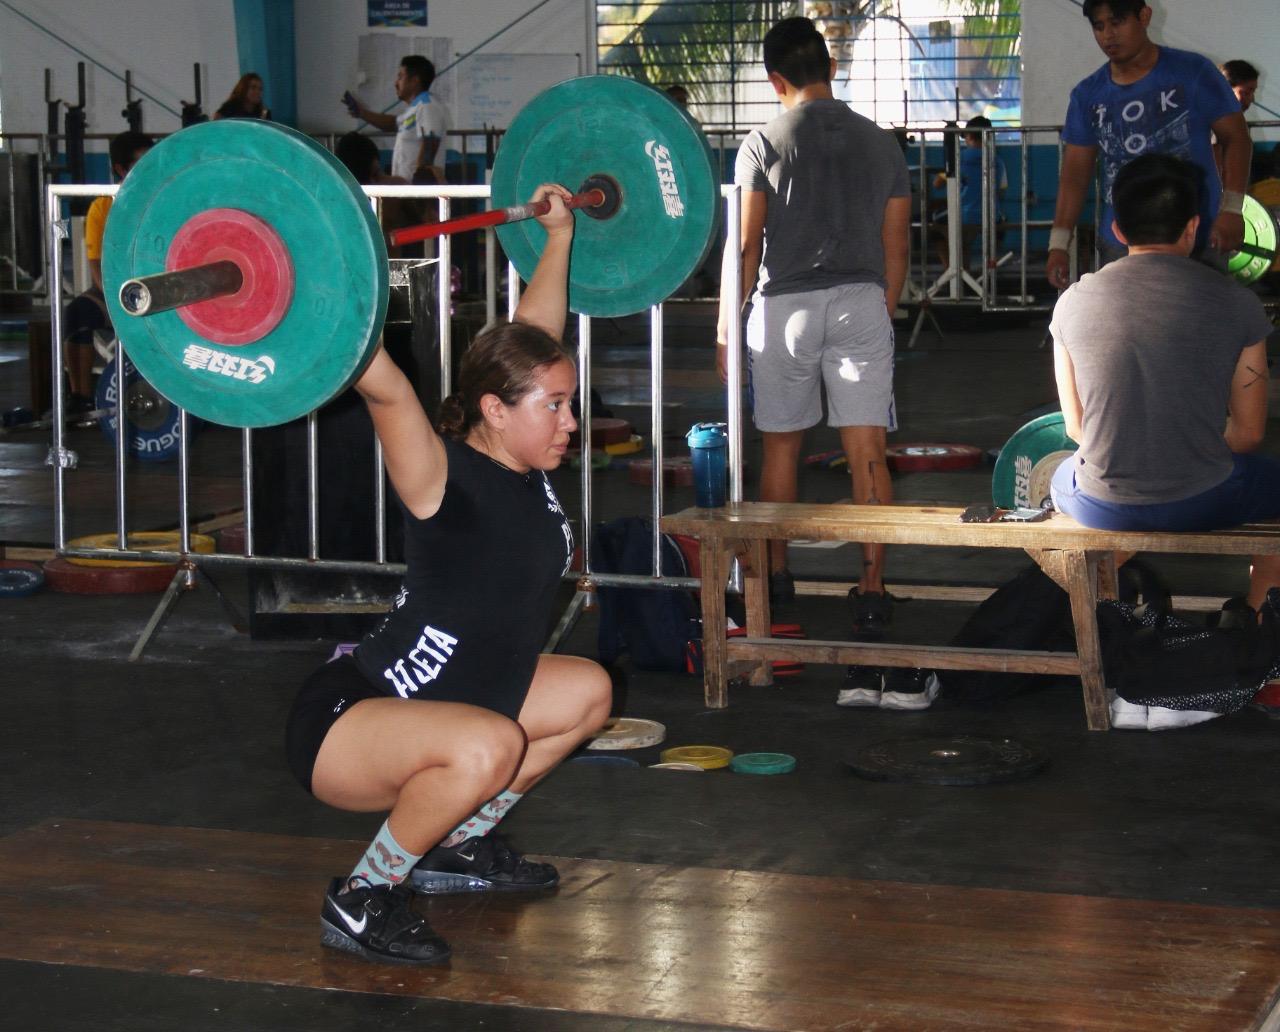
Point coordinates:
pixel 165 291
pixel 498 216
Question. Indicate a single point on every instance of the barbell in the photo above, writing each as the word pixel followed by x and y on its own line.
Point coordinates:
pixel 246 273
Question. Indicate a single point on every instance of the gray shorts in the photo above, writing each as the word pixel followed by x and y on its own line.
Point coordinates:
pixel 839 337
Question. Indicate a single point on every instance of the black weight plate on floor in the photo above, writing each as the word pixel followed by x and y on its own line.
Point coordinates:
pixel 947 760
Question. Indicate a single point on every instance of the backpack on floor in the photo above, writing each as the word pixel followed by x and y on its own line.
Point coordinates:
pixel 1029 612
pixel 652 625
pixel 1033 612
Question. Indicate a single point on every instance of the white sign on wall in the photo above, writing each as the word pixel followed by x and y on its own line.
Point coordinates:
pixel 492 88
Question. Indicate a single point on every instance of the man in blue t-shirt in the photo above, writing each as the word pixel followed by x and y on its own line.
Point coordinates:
pixel 971 191
pixel 1146 99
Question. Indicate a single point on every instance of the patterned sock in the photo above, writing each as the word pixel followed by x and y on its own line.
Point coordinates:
pixel 385 862
pixel 483 820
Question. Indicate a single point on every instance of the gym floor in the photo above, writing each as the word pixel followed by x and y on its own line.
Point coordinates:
pixel 159 868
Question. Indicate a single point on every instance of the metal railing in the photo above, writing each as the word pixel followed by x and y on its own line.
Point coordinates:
pixel 191 564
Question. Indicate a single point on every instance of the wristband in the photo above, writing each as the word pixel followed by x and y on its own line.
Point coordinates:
pixel 1232 201
pixel 1059 239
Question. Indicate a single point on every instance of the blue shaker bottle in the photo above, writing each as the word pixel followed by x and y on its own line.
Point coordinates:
pixel 709 445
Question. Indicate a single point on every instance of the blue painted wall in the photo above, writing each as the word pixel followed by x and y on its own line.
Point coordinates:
pixel 265 42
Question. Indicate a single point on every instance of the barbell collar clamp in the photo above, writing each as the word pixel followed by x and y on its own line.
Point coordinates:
pixel 165 291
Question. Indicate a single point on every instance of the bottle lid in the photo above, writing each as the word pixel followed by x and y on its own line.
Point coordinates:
pixel 707 435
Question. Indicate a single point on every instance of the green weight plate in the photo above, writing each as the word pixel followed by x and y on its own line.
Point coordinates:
pixel 763 763
pixel 1253 259
pixel 670 208
pixel 334 242
pixel 1027 463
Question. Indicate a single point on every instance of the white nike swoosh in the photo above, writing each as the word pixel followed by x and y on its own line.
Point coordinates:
pixel 356 926
pixel 468 857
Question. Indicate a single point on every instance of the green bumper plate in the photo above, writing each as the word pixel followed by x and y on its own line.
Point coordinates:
pixel 670 207
pixel 763 763
pixel 1254 258
pixel 332 326
pixel 1027 463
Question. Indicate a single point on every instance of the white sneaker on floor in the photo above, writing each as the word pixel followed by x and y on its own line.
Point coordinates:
pixel 862 687
pixel 1161 719
pixel 909 689
pixel 1128 715
pixel 1133 717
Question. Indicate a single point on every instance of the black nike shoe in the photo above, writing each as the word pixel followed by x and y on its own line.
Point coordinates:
pixel 376 922
pixel 480 864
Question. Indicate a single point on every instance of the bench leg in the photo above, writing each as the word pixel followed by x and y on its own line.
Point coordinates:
pixel 759 619
pixel 1108 575
pixel 714 561
pixel 1080 571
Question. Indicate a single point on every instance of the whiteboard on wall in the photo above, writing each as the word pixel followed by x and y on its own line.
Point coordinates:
pixel 492 88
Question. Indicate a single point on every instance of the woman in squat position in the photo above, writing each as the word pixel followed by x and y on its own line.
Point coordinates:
pixel 447 713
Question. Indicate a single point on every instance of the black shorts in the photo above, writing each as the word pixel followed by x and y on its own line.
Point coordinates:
pixel 323 698
pixel 85 314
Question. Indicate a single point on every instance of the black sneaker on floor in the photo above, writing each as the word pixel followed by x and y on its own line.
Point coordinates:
pixel 908 689
pixel 862 686
pixel 480 864
pixel 872 613
pixel 377 923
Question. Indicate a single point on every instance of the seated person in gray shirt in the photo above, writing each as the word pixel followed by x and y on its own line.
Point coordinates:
pixel 1161 364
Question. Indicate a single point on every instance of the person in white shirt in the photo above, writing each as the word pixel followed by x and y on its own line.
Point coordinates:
pixel 419 129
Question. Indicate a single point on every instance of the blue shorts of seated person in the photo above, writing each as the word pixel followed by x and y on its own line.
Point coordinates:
pixel 1250 493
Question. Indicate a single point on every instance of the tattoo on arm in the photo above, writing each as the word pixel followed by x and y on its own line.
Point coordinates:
pixel 1258 376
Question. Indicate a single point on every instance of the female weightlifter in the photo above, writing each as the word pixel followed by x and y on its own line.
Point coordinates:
pixel 447 713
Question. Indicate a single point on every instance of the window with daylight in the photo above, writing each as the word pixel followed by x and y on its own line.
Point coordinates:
pixel 918 62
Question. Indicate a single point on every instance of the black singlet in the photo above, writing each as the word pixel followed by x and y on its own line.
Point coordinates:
pixel 473 612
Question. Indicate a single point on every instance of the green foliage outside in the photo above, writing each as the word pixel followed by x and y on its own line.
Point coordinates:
pixel 712 47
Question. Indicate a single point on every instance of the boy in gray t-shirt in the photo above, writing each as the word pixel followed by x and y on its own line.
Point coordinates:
pixel 825 213
pixel 1161 365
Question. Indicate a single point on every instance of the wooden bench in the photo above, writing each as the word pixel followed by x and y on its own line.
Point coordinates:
pixel 1079 559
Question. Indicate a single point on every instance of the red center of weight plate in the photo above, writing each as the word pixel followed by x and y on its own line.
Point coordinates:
pixel 253 311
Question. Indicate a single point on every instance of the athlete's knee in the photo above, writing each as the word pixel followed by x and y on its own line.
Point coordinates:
pixel 493 753
pixel 597 695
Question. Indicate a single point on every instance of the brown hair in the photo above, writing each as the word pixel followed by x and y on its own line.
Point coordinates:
pixel 240 91
pixel 503 361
